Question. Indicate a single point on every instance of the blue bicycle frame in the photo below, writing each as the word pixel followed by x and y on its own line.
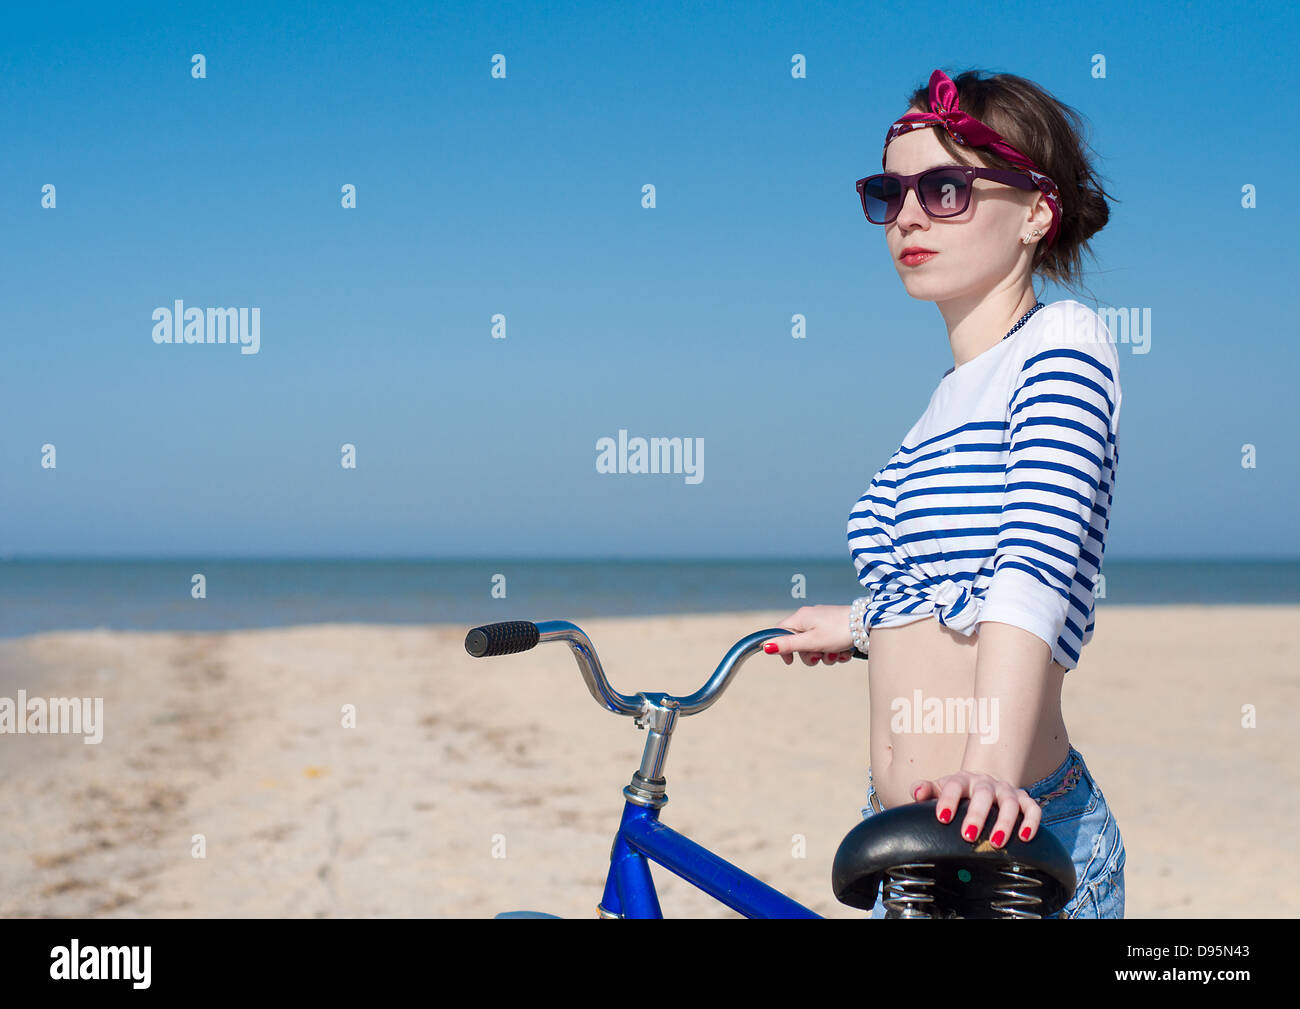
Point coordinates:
pixel 630 890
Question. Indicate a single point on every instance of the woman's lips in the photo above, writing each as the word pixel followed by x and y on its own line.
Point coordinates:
pixel 916 258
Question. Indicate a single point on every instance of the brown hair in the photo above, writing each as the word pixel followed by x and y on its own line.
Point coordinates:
pixel 1050 134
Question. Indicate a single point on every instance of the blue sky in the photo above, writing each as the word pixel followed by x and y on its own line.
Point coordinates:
pixel 522 196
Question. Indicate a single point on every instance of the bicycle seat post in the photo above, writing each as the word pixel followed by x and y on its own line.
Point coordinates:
pixel 659 715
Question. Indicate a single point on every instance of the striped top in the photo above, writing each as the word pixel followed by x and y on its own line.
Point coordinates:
pixel 997 504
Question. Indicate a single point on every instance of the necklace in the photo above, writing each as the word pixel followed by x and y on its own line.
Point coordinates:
pixel 1023 319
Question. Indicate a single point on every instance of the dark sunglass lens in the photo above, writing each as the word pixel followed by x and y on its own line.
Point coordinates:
pixel 945 192
pixel 880 198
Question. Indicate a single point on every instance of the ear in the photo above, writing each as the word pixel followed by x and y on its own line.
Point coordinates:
pixel 1040 215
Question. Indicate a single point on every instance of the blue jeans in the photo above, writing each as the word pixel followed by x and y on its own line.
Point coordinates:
pixel 1083 822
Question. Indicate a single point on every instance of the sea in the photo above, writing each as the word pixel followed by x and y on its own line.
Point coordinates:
pixel 199 594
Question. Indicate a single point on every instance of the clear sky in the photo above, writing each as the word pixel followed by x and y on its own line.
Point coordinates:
pixel 522 196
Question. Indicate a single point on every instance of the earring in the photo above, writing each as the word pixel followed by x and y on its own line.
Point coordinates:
pixel 1025 240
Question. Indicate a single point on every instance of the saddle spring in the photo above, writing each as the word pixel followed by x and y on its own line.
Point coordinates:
pixel 1015 899
pixel 907 890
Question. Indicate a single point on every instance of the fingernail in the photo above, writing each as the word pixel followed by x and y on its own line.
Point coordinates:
pixel 1024 834
pixel 945 815
pixel 915 790
pixel 971 832
pixel 771 647
pixel 996 839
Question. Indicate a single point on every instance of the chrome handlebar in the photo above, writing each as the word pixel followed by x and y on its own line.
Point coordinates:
pixel 521 635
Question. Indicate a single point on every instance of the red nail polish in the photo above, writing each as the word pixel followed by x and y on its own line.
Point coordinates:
pixel 945 815
pixel 770 647
pixel 1024 834
pixel 914 791
pixel 971 832
pixel 997 839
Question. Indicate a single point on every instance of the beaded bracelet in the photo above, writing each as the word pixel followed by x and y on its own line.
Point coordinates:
pixel 857 625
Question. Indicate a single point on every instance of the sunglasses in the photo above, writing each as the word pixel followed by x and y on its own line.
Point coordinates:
pixel 943 191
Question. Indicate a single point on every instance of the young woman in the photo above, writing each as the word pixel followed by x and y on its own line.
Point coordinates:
pixel 992 515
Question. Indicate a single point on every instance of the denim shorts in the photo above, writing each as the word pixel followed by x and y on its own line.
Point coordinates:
pixel 1075 811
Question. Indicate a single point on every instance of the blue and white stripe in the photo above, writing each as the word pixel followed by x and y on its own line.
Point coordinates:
pixel 997 504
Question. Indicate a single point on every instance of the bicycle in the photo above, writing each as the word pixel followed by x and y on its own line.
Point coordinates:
pixel 926 869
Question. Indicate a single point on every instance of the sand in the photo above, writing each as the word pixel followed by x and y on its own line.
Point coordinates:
pixel 472 786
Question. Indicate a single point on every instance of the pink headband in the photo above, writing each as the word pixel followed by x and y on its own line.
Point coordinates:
pixel 968 130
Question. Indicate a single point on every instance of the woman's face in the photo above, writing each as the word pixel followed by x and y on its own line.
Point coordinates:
pixel 978 250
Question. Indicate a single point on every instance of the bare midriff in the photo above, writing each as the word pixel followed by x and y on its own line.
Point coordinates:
pixel 939 662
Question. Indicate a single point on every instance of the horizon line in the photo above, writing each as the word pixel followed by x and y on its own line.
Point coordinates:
pixel 553 559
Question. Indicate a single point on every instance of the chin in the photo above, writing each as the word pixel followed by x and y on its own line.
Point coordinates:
pixel 925 288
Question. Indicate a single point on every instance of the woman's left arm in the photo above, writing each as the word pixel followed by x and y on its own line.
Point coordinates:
pixel 1063 417
pixel 1013 687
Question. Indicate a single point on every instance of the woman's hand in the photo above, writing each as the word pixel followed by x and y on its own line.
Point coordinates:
pixel 983 790
pixel 821 632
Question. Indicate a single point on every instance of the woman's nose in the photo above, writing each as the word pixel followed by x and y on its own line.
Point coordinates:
pixel 911 212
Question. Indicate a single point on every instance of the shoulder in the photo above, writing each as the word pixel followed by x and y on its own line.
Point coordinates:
pixel 1070 333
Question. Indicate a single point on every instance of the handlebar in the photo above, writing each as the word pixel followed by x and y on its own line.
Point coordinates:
pixel 513 636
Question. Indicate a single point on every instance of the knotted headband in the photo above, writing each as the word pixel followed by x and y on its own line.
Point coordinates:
pixel 969 131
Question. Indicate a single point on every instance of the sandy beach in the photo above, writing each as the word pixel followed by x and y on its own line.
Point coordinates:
pixel 469 787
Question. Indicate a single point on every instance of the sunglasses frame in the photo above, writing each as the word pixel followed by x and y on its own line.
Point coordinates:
pixel 1006 176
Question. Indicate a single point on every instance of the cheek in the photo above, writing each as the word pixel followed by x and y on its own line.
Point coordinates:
pixel 987 238
pixel 1001 222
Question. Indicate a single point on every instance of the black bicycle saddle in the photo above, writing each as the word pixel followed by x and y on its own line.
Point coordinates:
pixel 930 871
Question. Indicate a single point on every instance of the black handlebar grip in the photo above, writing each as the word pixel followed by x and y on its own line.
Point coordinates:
pixel 504 638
